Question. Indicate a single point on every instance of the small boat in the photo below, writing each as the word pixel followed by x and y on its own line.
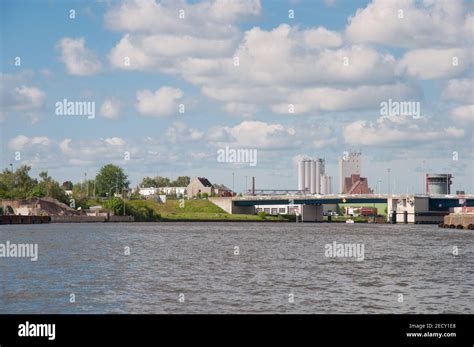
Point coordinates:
pixel 350 221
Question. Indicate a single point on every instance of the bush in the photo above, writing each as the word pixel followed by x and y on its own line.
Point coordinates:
pixel 262 215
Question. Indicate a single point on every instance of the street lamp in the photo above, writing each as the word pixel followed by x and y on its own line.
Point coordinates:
pixel 388 171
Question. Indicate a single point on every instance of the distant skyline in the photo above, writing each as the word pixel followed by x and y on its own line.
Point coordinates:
pixel 172 83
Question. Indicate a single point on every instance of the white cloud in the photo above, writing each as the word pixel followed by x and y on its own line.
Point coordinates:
pixel 17 96
pixel 110 108
pixel 78 59
pixel 87 152
pixel 152 44
pixel 463 114
pixel 461 90
pixel 332 99
pixel 180 131
pixel 252 134
pixel 21 141
pixel 398 130
pixel 436 63
pixel 241 109
pixel 423 24
pixel 115 141
pixel 163 102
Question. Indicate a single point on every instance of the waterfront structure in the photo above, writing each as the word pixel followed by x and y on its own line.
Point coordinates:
pixel 400 208
pixel 199 185
pixel 154 191
pixel 350 164
pixel 356 185
pixel 279 209
pixel 312 178
pixel 147 191
pixel 221 190
pixel 438 183
pixel 326 184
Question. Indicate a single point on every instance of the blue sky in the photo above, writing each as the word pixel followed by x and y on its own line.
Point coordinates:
pixel 284 61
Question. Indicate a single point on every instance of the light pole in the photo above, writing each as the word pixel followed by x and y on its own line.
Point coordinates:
pixel 246 184
pixel 233 175
pixel 86 182
pixel 378 186
pixel 388 171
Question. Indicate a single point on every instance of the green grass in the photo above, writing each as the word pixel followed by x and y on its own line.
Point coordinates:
pixel 197 210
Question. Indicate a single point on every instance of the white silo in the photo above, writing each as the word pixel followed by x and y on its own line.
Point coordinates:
pixel 301 175
pixel 328 184
pixel 319 174
pixel 312 179
pixel 307 174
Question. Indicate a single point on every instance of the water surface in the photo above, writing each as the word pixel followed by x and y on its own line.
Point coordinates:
pixel 274 261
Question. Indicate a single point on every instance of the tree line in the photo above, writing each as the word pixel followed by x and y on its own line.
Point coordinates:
pixel 111 179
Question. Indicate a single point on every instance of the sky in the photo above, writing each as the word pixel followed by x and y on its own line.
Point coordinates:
pixel 175 82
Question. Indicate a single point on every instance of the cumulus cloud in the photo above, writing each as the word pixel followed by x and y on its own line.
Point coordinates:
pixel 410 24
pixel 110 108
pixel 17 96
pixel 78 59
pixel 180 131
pixel 463 114
pixel 253 134
pixel 161 103
pixel 460 90
pixel 149 43
pixel 21 141
pixel 88 152
pixel 428 64
pixel 396 130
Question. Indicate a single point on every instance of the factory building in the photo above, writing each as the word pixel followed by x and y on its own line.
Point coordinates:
pixel 350 164
pixel 438 183
pixel 312 178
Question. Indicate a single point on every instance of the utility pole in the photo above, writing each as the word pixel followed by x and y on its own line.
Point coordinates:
pixel 233 190
pixel 86 182
pixel 388 171
pixel 246 184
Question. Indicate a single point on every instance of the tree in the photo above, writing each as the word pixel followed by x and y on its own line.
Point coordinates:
pixel 111 179
pixel 181 181
pixel 162 181
pixel 18 184
pixel 49 188
pixel 67 185
pixel 148 182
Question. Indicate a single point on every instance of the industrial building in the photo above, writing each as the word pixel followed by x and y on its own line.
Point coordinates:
pixel 350 171
pixel 438 183
pixel 312 178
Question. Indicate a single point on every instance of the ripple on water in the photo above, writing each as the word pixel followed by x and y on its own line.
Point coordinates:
pixel 197 260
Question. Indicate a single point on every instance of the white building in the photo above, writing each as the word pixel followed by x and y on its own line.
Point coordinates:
pixel 312 178
pixel 152 191
pixel 279 209
pixel 349 164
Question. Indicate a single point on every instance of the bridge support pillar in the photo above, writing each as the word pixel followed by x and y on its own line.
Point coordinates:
pixel 312 213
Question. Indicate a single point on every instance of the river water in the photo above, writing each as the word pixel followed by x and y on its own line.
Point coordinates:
pixel 237 268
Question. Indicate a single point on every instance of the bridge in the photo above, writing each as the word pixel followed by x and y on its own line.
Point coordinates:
pixel 404 208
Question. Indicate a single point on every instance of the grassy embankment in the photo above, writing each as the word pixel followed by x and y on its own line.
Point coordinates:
pixel 196 210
